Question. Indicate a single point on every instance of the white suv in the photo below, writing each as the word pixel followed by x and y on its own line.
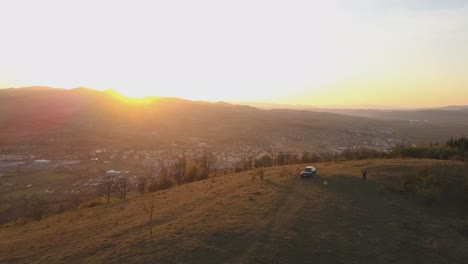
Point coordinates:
pixel 309 171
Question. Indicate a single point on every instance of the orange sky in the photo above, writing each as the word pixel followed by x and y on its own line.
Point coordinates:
pixel 387 53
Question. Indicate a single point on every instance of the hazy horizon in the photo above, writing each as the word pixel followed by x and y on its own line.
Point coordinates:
pixel 264 104
pixel 391 54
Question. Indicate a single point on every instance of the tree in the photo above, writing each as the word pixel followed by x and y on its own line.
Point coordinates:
pixel 106 187
pixel 192 172
pixel 163 181
pixel 264 161
pixel 180 170
pixel 38 208
pixel 149 210
pixel 244 164
pixel 293 159
pixel 33 207
pixel 141 183
pixel 76 199
pixel 25 205
pixel 260 172
pixel 282 159
pixel 123 186
pixel 206 161
pixel 308 157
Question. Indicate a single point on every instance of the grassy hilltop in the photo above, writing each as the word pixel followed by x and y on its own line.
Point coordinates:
pixel 333 218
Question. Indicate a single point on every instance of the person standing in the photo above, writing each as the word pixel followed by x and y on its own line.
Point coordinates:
pixel 364 174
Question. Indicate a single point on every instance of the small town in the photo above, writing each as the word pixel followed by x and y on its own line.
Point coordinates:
pixel 90 167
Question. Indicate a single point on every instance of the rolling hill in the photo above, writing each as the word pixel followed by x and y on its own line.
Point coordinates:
pixel 333 218
pixel 453 114
pixel 82 117
pixel 446 115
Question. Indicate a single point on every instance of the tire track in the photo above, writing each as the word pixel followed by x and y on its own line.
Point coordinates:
pixel 266 243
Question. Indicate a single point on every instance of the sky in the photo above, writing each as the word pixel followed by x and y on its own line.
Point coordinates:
pixel 388 53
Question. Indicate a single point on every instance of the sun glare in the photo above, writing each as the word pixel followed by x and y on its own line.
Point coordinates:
pixel 128 99
pixel 239 51
pixel 129 95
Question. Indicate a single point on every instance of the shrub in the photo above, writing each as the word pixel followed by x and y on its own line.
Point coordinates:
pixel 33 207
pixel 192 172
pixel 422 173
pixel 284 172
pixel 428 187
pixel 38 209
pixel 429 195
pixel 408 183
pixel 141 184
pixel 424 184
pixel 260 172
pixel 93 203
pixel 152 187
pixel 264 161
pixel 163 182
pixel 21 221
pixel 428 182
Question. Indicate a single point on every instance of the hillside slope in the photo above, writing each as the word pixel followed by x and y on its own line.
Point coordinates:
pixel 334 218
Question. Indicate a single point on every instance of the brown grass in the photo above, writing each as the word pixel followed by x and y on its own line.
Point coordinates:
pixel 282 219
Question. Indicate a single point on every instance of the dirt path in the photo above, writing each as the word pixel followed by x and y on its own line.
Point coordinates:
pixel 266 242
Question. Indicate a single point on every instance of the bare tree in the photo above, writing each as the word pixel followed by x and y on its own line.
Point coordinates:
pixel 141 183
pixel 260 172
pixel 123 186
pixel 25 205
pixel 180 170
pixel 264 161
pixel 106 187
pixel 76 199
pixel 34 207
pixel 38 209
pixel 206 162
pixel 246 163
pixel 149 210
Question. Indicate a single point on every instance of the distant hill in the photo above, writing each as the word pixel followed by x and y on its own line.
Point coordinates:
pixel 453 107
pixel 85 118
pixel 454 114
pixel 446 115
pixel 333 218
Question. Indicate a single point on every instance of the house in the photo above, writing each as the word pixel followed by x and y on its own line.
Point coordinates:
pixel 115 173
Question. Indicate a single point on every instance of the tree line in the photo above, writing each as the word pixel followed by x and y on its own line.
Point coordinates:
pixel 453 149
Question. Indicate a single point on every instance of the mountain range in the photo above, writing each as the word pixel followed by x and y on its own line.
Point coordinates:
pixel 86 117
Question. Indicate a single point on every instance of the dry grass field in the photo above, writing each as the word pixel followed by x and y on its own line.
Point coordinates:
pixel 335 217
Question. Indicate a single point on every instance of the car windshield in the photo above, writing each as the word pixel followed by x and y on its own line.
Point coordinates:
pixel 308 169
